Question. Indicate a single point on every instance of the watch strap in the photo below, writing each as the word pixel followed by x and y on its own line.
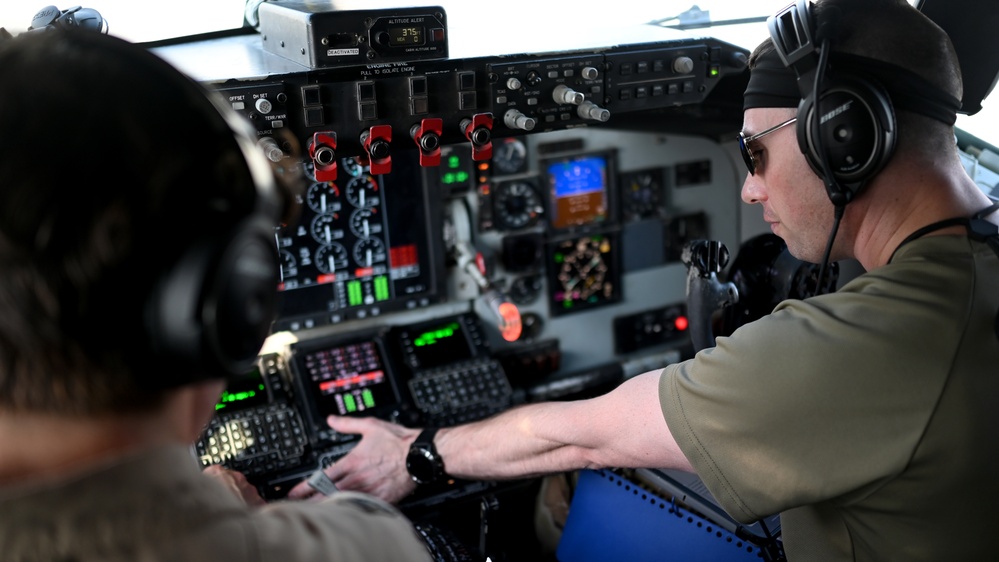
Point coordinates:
pixel 426 437
pixel 423 447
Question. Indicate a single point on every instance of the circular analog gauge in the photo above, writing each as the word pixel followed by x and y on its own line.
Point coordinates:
pixel 352 166
pixel 364 223
pixel 323 197
pixel 309 169
pixel 324 229
pixel 369 252
pixel 642 193
pixel 289 265
pixel 331 258
pixel 509 156
pixel 362 192
pixel 517 205
pixel 525 290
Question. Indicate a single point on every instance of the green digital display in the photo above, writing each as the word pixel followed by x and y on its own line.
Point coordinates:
pixel 434 336
pixel 440 345
pixel 406 35
pixel 243 392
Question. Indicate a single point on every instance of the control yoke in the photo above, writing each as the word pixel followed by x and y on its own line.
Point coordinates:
pixel 705 293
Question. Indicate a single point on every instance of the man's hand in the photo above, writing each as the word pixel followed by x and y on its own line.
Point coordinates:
pixel 376 465
pixel 236 482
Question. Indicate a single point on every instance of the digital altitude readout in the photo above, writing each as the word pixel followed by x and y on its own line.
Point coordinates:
pixel 408 35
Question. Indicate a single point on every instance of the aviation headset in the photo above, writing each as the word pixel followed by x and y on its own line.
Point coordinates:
pixel 209 312
pixel 50 17
pixel 850 135
pixel 846 125
pixel 213 309
pixel 205 315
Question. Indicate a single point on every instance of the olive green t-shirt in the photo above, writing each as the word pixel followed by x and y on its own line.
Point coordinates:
pixel 158 507
pixel 869 418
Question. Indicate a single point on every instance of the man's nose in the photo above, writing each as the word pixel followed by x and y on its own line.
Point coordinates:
pixel 752 189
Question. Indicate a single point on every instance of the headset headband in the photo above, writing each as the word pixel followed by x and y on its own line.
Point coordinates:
pixel 772 84
pixel 796 45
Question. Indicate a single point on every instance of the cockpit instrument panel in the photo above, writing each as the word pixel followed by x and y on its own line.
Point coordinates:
pixel 579 190
pixel 363 246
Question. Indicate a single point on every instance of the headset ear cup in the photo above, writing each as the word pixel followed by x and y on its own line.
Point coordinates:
pixel 802 128
pixel 242 301
pixel 209 316
pixel 838 194
pixel 856 132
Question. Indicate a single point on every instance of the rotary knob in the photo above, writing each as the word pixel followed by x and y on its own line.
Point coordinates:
pixel 683 65
pixel 517 120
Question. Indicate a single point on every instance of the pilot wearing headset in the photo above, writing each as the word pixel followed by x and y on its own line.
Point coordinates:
pixel 866 417
pixel 138 272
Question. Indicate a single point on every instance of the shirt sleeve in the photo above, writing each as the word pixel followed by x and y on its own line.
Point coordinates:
pixel 800 406
pixel 347 526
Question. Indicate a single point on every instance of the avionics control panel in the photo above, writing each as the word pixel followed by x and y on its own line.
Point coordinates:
pixel 443 185
pixel 271 423
pixel 380 106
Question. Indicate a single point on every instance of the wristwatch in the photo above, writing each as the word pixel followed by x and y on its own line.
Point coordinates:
pixel 423 462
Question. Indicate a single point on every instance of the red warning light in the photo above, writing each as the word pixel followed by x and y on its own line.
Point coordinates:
pixel 681 323
pixel 511 326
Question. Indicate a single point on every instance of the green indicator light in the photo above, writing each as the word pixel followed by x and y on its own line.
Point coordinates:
pixel 368 398
pixel 448 178
pixel 462 177
pixel 381 288
pixel 228 397
pixel 354 293
pixel 453 161
pixel 349 403
pixel 430 338
pixel 236 397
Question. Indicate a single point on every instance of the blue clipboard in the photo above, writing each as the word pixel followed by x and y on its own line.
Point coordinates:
pixel 612 518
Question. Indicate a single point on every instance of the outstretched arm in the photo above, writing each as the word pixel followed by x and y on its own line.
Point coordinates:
pixel 623 428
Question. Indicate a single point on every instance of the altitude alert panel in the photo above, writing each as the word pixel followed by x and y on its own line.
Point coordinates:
pixel 316 35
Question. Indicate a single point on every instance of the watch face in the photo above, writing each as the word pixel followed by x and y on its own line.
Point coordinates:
pixel 422 465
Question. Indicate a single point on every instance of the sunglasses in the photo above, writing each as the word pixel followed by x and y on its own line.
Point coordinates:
pixel 747 155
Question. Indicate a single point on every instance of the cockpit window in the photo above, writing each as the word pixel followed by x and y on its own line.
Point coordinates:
pixel 140 21
pixel 147 22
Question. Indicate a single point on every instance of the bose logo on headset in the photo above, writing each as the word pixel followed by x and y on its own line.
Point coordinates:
pixel 841 109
